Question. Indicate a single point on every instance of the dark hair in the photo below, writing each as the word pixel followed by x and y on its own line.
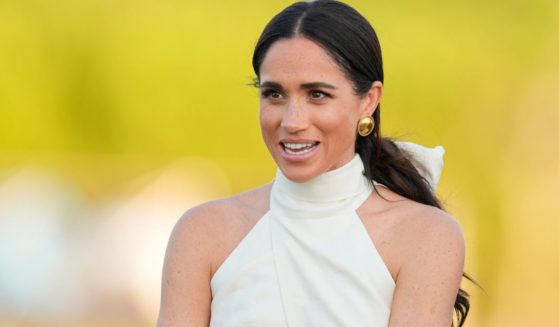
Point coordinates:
pixel 352 42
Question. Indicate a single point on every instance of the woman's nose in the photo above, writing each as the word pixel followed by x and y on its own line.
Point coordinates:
pixel 295 117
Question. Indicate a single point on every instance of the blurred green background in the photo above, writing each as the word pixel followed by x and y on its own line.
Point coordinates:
pixel 117 115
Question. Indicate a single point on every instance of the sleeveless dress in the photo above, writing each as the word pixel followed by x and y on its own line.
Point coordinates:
pixel 309 261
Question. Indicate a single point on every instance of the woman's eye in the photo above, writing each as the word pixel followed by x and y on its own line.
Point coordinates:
pixel 318 95
pixel 271 94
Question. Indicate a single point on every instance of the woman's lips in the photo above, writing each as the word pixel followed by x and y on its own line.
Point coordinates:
pixel 298 151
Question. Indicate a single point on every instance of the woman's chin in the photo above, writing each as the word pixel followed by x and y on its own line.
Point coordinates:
pixel 299 174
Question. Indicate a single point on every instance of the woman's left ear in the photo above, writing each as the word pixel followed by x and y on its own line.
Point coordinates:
pixel 372 99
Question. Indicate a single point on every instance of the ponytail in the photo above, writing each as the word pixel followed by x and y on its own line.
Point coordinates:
pixel 387 164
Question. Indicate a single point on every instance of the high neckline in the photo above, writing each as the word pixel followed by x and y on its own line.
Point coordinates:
pixel 341 183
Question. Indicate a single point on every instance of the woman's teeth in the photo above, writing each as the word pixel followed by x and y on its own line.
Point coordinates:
pixel 299 148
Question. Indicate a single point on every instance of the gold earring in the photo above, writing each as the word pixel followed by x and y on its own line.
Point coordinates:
pixel 365 126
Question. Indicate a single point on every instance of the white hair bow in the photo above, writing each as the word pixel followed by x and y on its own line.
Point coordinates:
pixel 428 161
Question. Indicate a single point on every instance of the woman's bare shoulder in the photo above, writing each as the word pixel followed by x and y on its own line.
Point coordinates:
pixel 409 217
pixel 425 246
pixel 202 237
pixel 230 210
pixel 404 229
pixel 217 226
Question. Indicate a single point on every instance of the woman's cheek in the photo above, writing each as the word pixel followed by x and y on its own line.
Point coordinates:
pixel 267 125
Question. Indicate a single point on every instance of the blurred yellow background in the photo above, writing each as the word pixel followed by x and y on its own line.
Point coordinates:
pixel 117 115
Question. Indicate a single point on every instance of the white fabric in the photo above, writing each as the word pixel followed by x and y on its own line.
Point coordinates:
pixel 427 161
pixel 309 261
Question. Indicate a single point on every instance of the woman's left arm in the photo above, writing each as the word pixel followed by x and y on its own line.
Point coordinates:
pixel 430 274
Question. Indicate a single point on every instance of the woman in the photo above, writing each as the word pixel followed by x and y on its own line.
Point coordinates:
pixel 349 233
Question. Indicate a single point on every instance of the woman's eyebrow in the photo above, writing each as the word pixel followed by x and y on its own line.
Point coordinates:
pixel 272 85
pixel 305 86
pixel 316 85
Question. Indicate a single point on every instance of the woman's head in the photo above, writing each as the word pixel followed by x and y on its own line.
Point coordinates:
pixel 344 33
pixel 319 69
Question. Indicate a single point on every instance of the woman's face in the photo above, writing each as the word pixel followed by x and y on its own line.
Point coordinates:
pixel 308 109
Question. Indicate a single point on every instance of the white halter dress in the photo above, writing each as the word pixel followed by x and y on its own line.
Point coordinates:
pixel 308 261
